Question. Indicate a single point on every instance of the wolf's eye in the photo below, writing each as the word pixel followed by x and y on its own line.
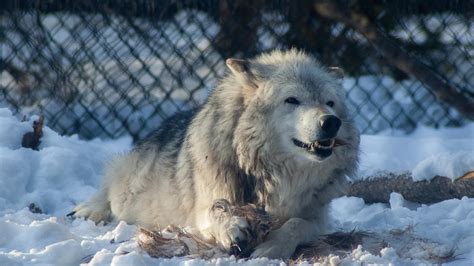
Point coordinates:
pixel 330 103
pixel 292 100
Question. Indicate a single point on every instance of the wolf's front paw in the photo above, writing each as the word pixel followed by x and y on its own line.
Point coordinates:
pixel 231 232
pixel 235 235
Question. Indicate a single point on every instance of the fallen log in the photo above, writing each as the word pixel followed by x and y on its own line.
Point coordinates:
pixel 379 188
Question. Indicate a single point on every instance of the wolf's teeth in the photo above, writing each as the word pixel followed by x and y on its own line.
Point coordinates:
pixel 325 147
pixel 314 146
pixel 326 144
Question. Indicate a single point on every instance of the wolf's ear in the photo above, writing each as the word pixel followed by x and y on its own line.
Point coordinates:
pixel 237 65
pixel 337 72
pixel 241 69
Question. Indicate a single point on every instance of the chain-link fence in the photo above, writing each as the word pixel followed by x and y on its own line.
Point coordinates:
pixel 105 69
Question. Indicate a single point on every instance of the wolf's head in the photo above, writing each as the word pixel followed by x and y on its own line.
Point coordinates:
pixel 294 109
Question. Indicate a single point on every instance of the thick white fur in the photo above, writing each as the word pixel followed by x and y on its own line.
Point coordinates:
pixel 240 140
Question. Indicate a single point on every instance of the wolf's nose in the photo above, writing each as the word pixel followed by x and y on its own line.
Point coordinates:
pixel 330 124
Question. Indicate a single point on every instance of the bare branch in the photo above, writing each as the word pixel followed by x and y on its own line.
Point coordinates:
pixel 32 140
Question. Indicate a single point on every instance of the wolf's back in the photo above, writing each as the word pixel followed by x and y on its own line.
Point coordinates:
pixel 170 134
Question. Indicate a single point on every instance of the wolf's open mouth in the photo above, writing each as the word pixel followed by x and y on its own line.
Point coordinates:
pixel 322 148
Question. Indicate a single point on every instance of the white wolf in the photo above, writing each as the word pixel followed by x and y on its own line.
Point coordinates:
pixel 275 132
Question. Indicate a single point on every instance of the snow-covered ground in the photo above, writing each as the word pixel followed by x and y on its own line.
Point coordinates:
pixel 67 170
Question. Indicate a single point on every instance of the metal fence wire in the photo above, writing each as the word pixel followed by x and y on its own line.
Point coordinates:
pixel 110 68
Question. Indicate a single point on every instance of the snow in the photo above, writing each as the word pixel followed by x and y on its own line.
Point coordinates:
pixel 449 222
pixel 67 170
pixel 50 177
pixel 452 165
pixel 425 152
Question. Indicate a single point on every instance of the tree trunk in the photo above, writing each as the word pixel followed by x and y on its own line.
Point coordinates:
pixel 398 57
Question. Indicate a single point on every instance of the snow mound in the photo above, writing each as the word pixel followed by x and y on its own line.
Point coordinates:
pixel 452 165
pixel 426 153
pixel 65 170
pixel 448 223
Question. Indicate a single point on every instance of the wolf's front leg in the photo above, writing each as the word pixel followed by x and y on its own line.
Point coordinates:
pixel 282 243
